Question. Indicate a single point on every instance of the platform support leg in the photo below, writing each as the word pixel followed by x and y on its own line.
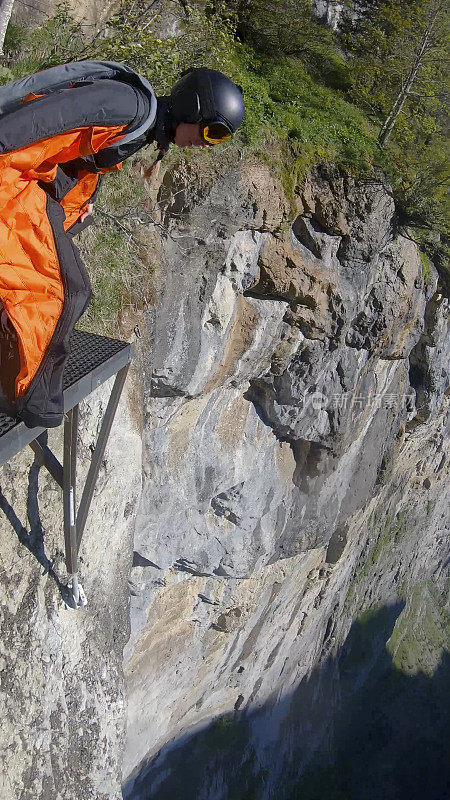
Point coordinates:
pixel 89 486
pixel 65 475
pixel 69 503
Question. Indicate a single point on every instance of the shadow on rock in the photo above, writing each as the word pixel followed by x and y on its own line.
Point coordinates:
pixel 33 539
pixel 356 727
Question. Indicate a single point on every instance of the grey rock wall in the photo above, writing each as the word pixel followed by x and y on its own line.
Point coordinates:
pixel 278 468
pixel 275 495
pixel 330 13
pixel 290 368
pixel 61 678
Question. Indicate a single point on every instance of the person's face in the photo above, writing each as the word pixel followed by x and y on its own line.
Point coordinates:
pixel 187 134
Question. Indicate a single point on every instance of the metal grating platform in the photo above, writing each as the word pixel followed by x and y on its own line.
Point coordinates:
pixel 93 359
pixel 6 423
pixel 87 352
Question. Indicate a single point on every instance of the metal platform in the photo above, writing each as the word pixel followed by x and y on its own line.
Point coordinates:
pixel 93 359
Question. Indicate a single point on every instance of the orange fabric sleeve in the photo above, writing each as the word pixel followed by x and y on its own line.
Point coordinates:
pixel 75 201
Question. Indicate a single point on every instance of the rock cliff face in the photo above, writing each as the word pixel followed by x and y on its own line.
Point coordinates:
pixel 329 12
pixel 61 676
pixel 87 12
pixel 290 483
pixel 285 482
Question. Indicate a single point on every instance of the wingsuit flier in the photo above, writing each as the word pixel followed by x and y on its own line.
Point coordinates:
pixel 60 131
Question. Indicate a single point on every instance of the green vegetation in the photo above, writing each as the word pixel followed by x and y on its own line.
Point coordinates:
pixel 286 29
pixel 388 533
pixel 311 96
pixel 383 42
pixel 421 632
pixel 385 531
pixel 58 40
pixel 426 268
pixel 398 57
pixel 386 467
pixel 116 249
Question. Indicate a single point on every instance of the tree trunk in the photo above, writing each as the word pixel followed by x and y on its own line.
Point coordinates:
pixel 6 7
pixel 388 124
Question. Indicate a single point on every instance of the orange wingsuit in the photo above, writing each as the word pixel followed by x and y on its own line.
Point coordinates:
pixel 31 288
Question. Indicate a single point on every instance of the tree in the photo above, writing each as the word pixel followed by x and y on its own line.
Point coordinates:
pixel 430 47
pixel 281 26
pixel 276 28
pixel 6 7
pixel 399 57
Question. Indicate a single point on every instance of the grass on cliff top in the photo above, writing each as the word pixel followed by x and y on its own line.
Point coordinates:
pixel 116 252
pixel 293 121
pixel 285 104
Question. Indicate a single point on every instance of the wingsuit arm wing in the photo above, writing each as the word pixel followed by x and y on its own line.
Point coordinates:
pixel 77 198
pixel 74 188
pixel 43 286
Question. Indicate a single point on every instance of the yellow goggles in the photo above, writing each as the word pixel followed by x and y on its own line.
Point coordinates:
pixel 214 132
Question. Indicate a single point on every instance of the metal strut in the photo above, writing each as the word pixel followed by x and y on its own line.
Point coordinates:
pixel 69 504
pixel 66 476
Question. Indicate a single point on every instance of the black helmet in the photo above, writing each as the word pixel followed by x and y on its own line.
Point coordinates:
pixel 206 96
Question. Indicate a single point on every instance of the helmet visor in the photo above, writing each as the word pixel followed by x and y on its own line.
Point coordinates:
pixel 214 132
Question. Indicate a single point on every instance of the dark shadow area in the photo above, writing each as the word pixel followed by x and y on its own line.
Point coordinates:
pixel 312 459
pixel 257 394
pixel 9 362
pixel 33 539
pixel 183 566
pixel 356 728
pixel 140 561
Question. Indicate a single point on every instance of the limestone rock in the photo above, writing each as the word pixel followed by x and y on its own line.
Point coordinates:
pixel 287 502
pixel 279 453
pixel 61 680
pixel 430 359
